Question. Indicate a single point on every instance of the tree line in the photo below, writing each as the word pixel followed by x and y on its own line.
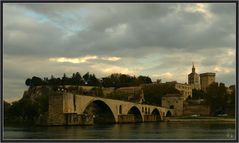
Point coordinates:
pixel 220 100
pixel 114 80
pixel 26 110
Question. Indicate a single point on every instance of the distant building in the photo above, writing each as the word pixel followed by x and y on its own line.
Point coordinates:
pixel 184 88
pixel 133 94
pixel 206 79
pixel 193 79
pixel 173 101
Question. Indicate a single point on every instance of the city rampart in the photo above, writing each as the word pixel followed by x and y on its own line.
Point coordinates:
pixel 196 109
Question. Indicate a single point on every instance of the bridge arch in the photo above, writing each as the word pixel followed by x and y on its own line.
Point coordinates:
pixel 157 114
pixel 169 113
pixel 101 110
pixel 137 114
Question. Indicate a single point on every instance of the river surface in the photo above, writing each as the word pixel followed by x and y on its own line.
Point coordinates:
pixel 153 130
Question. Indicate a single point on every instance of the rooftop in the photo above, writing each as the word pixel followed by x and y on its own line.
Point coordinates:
pixel 208 74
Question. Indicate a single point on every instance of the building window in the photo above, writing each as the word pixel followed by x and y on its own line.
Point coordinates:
pixel 142 109
pixel 171 107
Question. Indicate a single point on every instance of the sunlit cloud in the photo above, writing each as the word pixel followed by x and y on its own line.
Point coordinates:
pixel 120 29
pixel 73 60
pixel 109 69
pixel 82 59
pixel 231 52
pixel 111 58
pixel 201 8
pixel 166 75
pixel 223 69
pixel 196 8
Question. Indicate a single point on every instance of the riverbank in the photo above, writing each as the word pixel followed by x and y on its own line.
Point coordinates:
pixel 200 118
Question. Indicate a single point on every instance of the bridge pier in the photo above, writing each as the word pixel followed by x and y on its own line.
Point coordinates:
pixel 126 118
pixel 151 118
pixel 78 119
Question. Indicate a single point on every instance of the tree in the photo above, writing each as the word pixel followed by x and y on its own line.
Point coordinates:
pixel 106 82
pixel 93 81
pixel 77 79
pixel 45 81
pixel 36 81
pixel 65 80
pixel 217 98
pixel 198 94
pixel 123 80
pixel 28 82
pixel 144 79
pixel 153 93
pixel 86 77
pixel 7 113
pixel 231 103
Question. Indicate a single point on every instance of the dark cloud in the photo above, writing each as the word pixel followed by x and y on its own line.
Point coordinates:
pixel 147 26
pixel 151 39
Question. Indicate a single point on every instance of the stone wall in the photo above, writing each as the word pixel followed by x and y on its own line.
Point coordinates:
pixel 78 119
pixel 173 102
pixel 126 118
pixel 151 118
pixel 196 109
pixel 185 89
pixel 55 111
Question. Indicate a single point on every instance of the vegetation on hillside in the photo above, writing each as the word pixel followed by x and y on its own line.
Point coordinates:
pixel 114 80
pixel 153 93
pixel 27 109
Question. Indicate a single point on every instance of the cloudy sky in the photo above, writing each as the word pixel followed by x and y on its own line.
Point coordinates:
pixel 156 40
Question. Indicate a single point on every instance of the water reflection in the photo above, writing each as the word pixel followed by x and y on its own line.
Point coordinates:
pixel 160 130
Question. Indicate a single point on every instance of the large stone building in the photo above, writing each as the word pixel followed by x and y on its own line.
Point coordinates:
pixel 206 79
pixel 183 88
pixel 193 79
pixel 173 101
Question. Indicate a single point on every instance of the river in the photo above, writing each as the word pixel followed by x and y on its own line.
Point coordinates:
pixel 153 130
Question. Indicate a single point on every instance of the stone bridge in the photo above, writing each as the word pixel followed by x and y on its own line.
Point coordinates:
pixel 72 109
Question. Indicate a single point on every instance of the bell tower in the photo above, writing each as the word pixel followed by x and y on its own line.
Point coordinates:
pixel 193 69
pixel 193 78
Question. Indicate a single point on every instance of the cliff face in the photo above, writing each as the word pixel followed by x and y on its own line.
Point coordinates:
pixel 36 92
pixel 37 99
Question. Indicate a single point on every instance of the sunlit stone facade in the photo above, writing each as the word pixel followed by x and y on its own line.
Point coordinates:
pixel 206 79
